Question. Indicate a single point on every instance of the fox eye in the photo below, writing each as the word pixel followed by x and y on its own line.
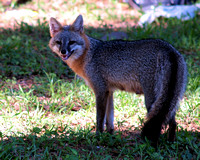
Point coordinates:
pixel 58 42
pixel 72 42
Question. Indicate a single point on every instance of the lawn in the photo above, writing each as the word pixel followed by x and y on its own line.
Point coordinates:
pixel 47 112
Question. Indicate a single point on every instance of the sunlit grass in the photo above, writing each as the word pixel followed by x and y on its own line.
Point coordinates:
pixel 50 125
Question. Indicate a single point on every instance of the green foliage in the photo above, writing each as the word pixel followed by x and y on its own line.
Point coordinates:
pixel 25 52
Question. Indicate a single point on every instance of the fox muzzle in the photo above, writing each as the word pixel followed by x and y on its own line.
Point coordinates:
pixel 66 54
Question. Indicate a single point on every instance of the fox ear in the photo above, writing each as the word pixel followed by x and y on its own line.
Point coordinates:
pixel 54 26
pixel 78 24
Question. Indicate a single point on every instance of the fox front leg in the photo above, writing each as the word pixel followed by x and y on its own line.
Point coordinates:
pixel 101 103
pixel 110 114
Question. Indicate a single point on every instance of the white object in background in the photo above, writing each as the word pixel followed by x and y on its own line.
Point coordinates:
pixel 183 12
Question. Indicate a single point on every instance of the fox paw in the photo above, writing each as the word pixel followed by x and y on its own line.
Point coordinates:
pixel 152 133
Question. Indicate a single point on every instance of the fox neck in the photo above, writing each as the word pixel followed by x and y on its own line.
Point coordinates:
pixel 78 65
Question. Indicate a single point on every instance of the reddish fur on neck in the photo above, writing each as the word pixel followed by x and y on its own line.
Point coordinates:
pixel 78 65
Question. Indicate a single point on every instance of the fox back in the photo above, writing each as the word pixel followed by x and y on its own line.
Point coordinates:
pixel 151 67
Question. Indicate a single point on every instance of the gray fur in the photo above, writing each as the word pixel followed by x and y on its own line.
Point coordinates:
pixel 151 67
pixel 135 66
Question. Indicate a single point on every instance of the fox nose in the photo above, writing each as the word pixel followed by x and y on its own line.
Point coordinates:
pixel 63 51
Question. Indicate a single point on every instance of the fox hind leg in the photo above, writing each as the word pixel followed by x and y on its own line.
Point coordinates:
pixel 152 129
pixel 149 100
pixel 172 129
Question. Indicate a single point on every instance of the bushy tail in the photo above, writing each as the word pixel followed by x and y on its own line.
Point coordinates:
pixel 170 88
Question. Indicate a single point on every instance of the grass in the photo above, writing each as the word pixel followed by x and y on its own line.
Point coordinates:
pixel 48 113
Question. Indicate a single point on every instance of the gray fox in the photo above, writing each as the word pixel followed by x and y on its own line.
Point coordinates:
pixel 151 67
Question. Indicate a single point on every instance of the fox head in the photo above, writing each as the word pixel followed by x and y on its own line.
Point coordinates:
pixel 68 41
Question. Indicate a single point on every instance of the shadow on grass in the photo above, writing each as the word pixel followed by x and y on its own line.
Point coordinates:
pixel 25 52
pixel 67 143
